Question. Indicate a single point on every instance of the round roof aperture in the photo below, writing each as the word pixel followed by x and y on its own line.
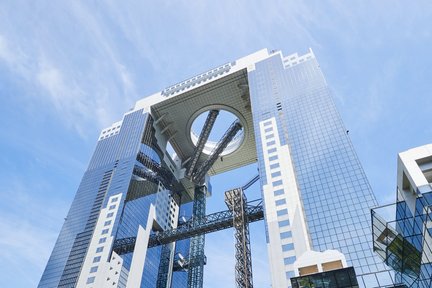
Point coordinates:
pixel 222 123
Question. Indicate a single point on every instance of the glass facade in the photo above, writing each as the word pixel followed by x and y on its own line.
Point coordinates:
pixel 334 190
pixel 109 173
pixel 315 193
pixel 404 242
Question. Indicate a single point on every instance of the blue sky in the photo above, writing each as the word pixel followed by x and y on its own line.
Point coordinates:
pixel 70 68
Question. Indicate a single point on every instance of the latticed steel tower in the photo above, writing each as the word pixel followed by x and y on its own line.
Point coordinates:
pixel 237 203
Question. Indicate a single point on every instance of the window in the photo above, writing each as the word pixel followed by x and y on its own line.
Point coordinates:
pixel 107 223
pixel 270 136
pixel 110 214
pixel 90 280
pixel 272 150
pixel 284 223
pixel 280 202
pixel 274 166
pixel 93 269
pixel 102 240
pixel 286 234
pixel 268 129
pixel 276 174
pixel 272 158
pixel 290 274
pixel 279 106
pixel 278 192
pixel 112 207
pixel 96 259
pixel 105 231
pixel 282 212
pixel 267 123
pixel 271 143
pixel 277 183
pixel 114 199
pixel 289 260
pixel 288 247
pixel 99 249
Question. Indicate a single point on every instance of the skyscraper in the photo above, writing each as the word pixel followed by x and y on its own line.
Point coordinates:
pixel 316 196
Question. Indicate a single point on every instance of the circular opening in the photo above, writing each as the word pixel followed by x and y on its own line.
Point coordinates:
pixel 221 125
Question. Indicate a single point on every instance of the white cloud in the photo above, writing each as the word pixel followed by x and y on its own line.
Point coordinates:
pixel 76 72
pixel 5 53
pixel 28 228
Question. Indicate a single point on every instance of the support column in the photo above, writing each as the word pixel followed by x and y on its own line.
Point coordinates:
pixel 236 201
pixel 164 267
pixel 196 250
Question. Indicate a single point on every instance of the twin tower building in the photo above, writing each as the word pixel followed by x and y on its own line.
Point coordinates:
pixel 135 195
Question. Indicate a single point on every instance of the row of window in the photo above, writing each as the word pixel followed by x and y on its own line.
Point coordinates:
pixel 272 142
pixel 114 128
pixel 275 172
pixel 102 240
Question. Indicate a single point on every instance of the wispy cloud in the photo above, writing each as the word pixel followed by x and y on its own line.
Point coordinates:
pixel 83 64
pixel 28 228
pixel 87 85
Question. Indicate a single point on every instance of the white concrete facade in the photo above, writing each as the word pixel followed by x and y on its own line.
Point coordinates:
pixel 413 167
pixel 414 178
pixel 97 264
pixel 287 229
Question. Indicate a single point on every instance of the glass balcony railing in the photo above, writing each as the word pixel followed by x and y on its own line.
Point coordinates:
pixel 398 251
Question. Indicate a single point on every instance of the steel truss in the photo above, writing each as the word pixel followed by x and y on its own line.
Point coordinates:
pixel 196 248
pixel 203 137
pixel 183 264
pixel 236 202
pixel 211 223
pixel 163 271
pixel 124 245
pixel 220 146
pixel 149 175
pixel 162 173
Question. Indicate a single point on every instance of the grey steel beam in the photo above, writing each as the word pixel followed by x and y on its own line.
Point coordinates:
pixel 202 140
pixel 163 271
pixel 211 223
pixel 196 248
pixel 251 182
pixel 220 146
pixel 146 174
pixel 158 169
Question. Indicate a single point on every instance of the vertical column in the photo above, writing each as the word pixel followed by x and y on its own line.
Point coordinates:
pixel 196 250
pixel 236 201
pixel 164 267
